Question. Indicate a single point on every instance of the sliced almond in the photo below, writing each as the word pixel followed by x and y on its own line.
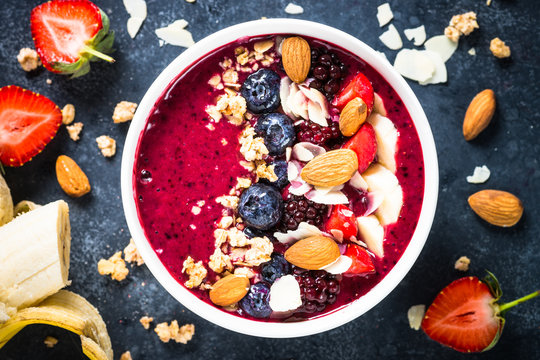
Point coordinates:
pixel 229 290
pixel 353 115
pixel 479 114
pixel 333 168
pixel 70 177
pixel 296 57
pixel 313 253
pixel 497 207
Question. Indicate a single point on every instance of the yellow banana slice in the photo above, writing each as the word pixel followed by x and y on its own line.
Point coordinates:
pixel 6 203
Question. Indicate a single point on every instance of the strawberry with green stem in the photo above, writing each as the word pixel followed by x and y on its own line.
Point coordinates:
pixel 465 315
pixel 68 34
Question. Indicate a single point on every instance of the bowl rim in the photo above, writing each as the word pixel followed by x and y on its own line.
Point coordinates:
pixel 379 291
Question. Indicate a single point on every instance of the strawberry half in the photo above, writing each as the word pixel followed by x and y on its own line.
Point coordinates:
pixel 68 34
pixel 28 121
pixel 361 261
pixel 359 86
pixel 341 223
pixel 465 315
pixel 364 144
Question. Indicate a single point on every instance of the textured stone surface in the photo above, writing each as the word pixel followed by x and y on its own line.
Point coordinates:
pixel 509 147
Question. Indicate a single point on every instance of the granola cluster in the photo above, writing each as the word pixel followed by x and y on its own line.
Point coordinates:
pixel 499 48
pixel 114 266
pixel 462 24
pixel 29 59
pixel 168 332
pixel 196 272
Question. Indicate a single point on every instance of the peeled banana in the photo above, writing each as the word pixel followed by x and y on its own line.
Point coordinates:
pixel 34 255
pixel 6 203
pixel 71 312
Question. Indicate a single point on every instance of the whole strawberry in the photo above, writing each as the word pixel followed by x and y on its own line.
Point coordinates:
pixel 68 34
pixel 465 315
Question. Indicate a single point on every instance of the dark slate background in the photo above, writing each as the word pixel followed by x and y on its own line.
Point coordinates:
pixel 509 147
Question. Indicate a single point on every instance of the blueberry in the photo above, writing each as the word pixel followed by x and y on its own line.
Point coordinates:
pixel 261 91
pixel 251 233
pixel 255 303
pixel 261 206
pixel 275 268
pixel 280 169
pixel 277 131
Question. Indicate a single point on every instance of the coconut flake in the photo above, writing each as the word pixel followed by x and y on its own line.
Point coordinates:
pixel 358 182
pixel 175 34
pixel 442 46
pixel 384 14
pixel 418 34
pixel 299 187
pixel 439 76
pixel 472 51
pixel 306 151
pixel 416 315
pixel 481 175
pixel 342 264
pixel 137 11
pixel 327 198
pixel 375 199
pixel 414 65
pixel 284 92
pixel 294 9
pixel 285 294
pixel 378 105
pixel 391 38
pixel 304 230
pixel 293 170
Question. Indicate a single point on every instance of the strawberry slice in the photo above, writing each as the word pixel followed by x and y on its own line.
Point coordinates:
pixel 28 121
pixel 342 223
pixel 465 315
pixel 361 261
pixel 68 34
pixel 361 87
pixel 364 144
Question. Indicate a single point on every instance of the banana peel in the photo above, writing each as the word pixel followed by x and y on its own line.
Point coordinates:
pixel 70 311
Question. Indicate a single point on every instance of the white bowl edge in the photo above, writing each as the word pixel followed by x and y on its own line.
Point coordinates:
pixel 377 293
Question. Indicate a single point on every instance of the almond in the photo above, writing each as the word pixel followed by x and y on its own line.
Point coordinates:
pixel 497 207
pixel 333 168
pixel 479 114
pixel 296 58
pixel 353 115
pixel 313 253
pixel 70 177
pixel 229 290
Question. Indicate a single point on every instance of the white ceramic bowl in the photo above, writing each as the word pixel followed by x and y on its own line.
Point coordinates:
pixel 375 295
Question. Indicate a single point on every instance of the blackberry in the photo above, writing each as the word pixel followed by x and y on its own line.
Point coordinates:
pixel 319 135
pixel 328 72
pixel 298 209
pixel 317 289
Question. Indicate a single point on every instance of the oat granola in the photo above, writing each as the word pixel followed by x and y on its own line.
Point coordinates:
pixel 168 332
pixel 107 145
pixel 50 341
pixel 126 356
pixel 29 59
pixel 251 147
pixel 462 264
pixel 75 130
pixel 464 24
pixel 68 114
pixel 114 266
pixel 132 255
pixel 499 49
pixel 124 111
pixel 145 321
pixel 196 271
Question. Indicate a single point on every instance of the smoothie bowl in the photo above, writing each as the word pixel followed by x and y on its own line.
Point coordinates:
pixel 279 184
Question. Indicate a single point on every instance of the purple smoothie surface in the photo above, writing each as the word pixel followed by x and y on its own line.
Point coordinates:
pixel 181 162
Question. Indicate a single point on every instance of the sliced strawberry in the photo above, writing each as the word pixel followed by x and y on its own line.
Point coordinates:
pixel 361 261
pixel 69 33
pixel 342 223
pixel 465 316
pixel 361 87
pixel 364 144
pixel 28 121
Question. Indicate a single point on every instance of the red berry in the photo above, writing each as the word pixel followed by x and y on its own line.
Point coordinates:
pixel 342 223
pixel 364 144
pixel 361 261
pixel 361 87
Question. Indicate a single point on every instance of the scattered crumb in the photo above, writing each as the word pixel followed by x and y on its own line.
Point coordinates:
pixel 114 266
pixel 266 172
pixel 481 175
pixel 124 111
pixel 74 130
pixel 225 222
pixel 145 321
pixel 48 81
pixel 195 210
pixel 210 127
pixel 224 142
pixel 220 262
pixel 259 252
pixel 68 114
pixel 50 341
pixel 196 271
pixel 462 24
pixel 242 183
pixel 228 201
pixel 231 105
pixel 462 264
pixel 499 49
pixel 107 145
pixel 294 9
pixel 29 59
pixel 167 332
pixel 190 1
pixel 132 255
pixel 415 316
pixel 488 2
pixel 472 51
pixel 201 203
pixel 215 81
pixel 126 356
pixel 251 147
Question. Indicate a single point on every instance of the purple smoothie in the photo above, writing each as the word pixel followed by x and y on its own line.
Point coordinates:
pixel 180 162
